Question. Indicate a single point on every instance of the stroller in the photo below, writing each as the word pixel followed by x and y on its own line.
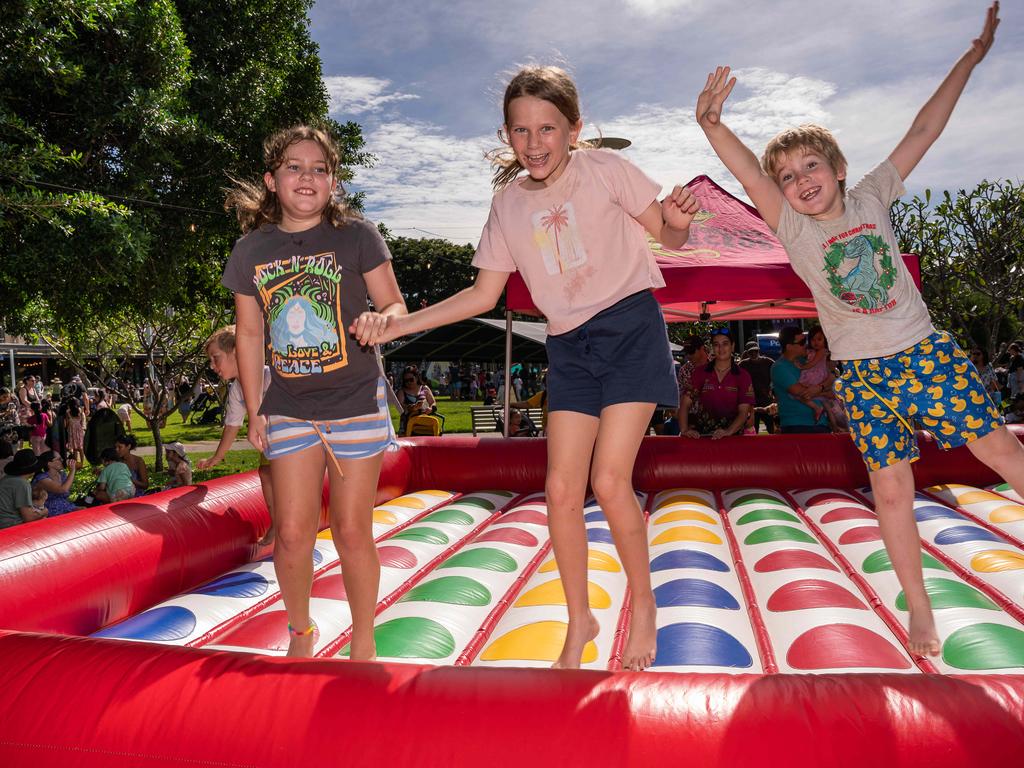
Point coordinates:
pixel 206 409
pixel 526 426
pixel 425 425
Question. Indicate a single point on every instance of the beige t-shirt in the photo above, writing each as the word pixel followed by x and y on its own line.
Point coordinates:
pixel 866 298
pixel 577 244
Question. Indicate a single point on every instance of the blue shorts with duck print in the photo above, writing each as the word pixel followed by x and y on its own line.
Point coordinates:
pixel 932 384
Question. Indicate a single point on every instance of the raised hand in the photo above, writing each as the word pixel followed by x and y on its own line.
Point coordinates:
pixel 716 90
pixel 981 44
pixel 679 208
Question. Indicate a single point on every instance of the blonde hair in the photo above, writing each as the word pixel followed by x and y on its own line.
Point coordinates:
pixel 255 204
pixel 807 136
pixel 552 84
pixel 224 338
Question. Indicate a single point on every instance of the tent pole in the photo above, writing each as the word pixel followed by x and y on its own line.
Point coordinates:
pixel 507 404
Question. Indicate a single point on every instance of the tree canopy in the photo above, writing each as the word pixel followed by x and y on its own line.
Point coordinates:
pixel 971 245
pixel 120 124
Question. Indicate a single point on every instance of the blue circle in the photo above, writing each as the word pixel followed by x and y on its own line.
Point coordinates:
pixel 964 533
pixel 687 558
pixel 700 645
pixel 165 624
pixel 595 517
pixel 599 536
pixel 239 584
pixel 695 592
pixel 936 512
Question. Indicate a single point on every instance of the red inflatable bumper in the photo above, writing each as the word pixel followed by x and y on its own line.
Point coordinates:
pixel 68 700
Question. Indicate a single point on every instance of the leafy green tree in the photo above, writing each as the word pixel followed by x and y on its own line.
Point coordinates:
pixel 971 245
pixel 429 271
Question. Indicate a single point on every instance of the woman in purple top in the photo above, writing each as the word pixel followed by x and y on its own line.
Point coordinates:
pixel 725 392
pixel 56 482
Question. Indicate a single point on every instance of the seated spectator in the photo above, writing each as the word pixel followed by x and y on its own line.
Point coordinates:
pixel 136 464
pixel 52 479
pixel 538 400
pixel 178 465
pixel 114 482
pixel 794 416
pixel 9 419
pixel 415 396
pixel 16 505
pixel 817 369
pixel 520 425
pixel 6 453
pixel 725 392
pixel 760 369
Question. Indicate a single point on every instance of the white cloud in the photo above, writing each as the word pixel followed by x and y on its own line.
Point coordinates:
pixel 355 95
pixel 656 7
pixel 427 182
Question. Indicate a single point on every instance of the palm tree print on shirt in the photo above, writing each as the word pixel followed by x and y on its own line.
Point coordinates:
pixel 557 236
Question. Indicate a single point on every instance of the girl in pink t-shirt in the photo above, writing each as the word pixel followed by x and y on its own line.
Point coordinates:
pixel 574 225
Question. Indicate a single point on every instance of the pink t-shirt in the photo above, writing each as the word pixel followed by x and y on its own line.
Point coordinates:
pixel 577 244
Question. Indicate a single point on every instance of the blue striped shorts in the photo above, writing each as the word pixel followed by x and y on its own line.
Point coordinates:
pixel 357 437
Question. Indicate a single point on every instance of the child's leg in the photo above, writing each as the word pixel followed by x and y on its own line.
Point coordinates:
pixel 893 489
pixel 298 483
pixel 814 405
pixel 571 438
pixel 1002 451
pixel 618 440
pixel 352 528
pixel 267 484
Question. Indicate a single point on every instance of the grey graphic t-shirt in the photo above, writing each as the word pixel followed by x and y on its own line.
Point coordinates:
pixel 866 298
pixel 310 287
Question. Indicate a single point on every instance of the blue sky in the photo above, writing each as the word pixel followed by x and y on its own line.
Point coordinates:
pixel 425 79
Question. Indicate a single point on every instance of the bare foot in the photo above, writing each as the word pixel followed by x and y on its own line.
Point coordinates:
pixel 301 647
pixel 924 639
pixel 268 537
pixel 577 636
pixel 362 648
pixel 642 644
pixel 818 410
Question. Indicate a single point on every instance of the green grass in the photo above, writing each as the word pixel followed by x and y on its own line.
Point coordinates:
pixel 234 462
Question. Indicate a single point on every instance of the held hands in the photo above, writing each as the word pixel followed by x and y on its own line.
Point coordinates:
pixel 369 327
pixel 716 90
pixel 679 208
pixel 981 44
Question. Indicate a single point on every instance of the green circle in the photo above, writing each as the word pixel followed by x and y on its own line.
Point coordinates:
pixel 454 516
pixel 985 646
pixel 427 535
pixel 454 590
pixel 779 533
pixel 946 593
pixel 411 637
pixel 758 515
pixel 484 558
pixel 879 561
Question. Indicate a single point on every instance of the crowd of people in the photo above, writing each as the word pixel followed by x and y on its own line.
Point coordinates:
pixel 47 435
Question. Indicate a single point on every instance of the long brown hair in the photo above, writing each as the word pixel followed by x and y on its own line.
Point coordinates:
pixel 552 84
pixel 255 204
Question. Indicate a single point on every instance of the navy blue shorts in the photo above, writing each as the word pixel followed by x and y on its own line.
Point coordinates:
pixel 620 355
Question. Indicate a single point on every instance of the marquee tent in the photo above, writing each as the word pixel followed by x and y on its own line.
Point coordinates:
pixel 732 268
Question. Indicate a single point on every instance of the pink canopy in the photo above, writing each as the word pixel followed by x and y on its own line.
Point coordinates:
pixel 733 267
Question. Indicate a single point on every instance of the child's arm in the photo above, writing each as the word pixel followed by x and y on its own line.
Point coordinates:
pixel 480 297
pixel 227 439
pixel 741 162
pixel 934 115
pixel 249 350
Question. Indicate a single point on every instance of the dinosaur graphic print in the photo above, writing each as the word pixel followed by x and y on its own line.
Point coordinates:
pixel 860 271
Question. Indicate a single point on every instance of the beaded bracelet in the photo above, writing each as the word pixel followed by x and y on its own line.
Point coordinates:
pixel 307 631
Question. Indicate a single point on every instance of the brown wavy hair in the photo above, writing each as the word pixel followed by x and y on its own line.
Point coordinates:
pixel 254 204
pixel 552 84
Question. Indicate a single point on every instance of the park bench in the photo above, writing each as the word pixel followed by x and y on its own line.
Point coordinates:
pixel 485 417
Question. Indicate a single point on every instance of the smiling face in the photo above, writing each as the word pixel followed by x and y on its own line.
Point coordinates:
pixel 540 136
pixel 810 184
pixel 303 184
